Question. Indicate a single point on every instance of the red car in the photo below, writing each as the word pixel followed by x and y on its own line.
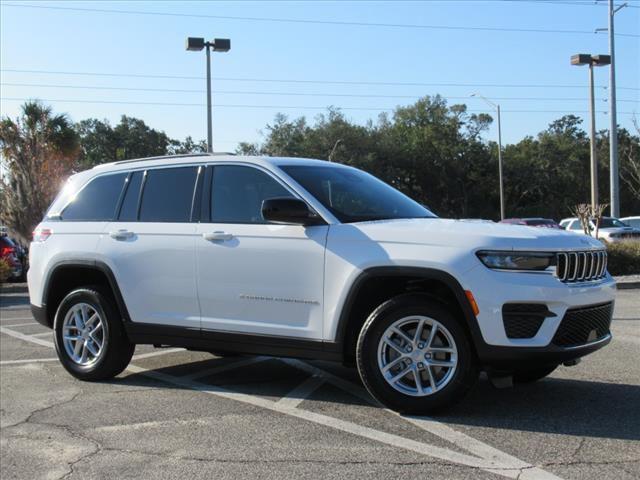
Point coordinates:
pixel 533 222
pixel 9 252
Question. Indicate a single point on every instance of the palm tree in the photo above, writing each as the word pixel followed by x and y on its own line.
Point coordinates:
pixel 38 151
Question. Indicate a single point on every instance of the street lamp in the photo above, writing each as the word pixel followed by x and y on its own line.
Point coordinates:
pixel 218 45
pixel 497 107
pixel 592 61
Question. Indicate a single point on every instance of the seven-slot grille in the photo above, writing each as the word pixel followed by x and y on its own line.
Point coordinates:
pixel 581 266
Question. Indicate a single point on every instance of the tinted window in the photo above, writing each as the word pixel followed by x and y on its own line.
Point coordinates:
pixel 607 222
pixel 97 201
pixel 129 209
pixel 355 196
pixel 575 225
pixel 167 195
pixel 238 193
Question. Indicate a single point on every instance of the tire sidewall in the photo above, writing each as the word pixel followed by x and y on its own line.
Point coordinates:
pixel 389 312
pixel 100 305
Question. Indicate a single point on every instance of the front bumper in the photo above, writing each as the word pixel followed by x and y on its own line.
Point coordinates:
pixel 493 289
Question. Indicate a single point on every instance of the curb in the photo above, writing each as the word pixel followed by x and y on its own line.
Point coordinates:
pixel 14 288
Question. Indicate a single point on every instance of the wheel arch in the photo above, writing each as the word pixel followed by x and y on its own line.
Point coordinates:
pixel 377 284
pixel 67 275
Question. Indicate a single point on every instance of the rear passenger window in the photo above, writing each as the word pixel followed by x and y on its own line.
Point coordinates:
pixel 97 201
pixel 129 209
pixel 167 195
pixel 238 193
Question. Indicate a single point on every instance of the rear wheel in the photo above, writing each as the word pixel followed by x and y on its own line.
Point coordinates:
pixel 414 356
pixel 89 335
pixel 532 375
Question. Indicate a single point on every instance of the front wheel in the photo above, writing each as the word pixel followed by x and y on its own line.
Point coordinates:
pixel 414 356
pixel 89 335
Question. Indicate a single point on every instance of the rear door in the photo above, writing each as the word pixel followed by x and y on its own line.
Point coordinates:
pixel 150 247
pixel 255 277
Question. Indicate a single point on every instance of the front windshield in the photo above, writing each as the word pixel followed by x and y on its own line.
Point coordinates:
pixel 352 195
pixel 611 223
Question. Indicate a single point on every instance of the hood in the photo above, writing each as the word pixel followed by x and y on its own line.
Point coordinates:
pixel 472 234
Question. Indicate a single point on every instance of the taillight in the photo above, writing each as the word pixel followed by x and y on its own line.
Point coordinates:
pixel 41 234
pixel 6 251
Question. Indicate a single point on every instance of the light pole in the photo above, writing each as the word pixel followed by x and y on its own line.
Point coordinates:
pixel 497 107
pixel 592 61
pixel 614 176
pixel 218 45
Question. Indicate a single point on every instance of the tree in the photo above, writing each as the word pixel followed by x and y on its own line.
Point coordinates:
pixel 39 150
pixel 131 138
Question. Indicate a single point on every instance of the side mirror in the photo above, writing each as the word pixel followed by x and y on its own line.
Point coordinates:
pixel 289 211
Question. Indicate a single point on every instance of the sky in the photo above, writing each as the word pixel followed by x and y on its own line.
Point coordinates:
pixel 103 59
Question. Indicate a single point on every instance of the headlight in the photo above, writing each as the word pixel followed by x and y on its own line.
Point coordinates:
pixel 517 260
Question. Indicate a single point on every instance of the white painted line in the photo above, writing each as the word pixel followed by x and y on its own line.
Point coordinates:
pixel 13 319
pixel 299 394
pixel 336 381
pixel 20 324
pixel 44 334
pixel 433 451
pixel 505 465
pixel 225 368
pixel 158 353
pixel 30 360
pixel 26 338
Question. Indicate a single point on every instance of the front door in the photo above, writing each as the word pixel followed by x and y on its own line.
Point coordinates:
pixel 255 277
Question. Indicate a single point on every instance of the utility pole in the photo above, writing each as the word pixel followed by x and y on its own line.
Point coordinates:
pixel 614 175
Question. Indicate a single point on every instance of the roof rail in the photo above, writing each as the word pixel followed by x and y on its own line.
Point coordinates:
pixel 182 155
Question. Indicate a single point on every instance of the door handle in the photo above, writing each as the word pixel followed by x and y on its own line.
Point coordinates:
pixel 121 234
pixel 217 236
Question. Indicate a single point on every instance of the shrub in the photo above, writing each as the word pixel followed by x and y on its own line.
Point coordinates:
pixel 5 270
pixel 624 258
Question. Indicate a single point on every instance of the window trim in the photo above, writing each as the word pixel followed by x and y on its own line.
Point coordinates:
pixel 209 193
pixel 114 216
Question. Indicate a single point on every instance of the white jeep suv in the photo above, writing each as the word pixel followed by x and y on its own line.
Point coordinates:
pixel 308 259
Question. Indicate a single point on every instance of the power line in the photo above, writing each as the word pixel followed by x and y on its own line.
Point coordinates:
pixel 293 94
pixel 315 22
pixel 303 81
pixel 296 107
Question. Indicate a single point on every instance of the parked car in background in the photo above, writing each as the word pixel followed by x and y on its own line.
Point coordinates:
pixel 9 252
pixel 632 221
pixel 611 229
pixel 533 222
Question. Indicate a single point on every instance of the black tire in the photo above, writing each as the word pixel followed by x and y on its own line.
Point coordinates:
pixel 464 377
pixel 117 350
pixel 533 375
pixel 226 354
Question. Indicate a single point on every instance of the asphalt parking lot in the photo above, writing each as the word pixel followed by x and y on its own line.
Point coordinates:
pixel 180 414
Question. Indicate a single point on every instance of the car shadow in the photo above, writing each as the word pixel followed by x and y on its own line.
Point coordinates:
pixel 554 405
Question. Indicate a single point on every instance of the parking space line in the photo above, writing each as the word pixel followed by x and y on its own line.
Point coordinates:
pixel 300 393
pixel 224 368
pixel 12 319
pixel 28 360
pixel 43 334
pixel 390 439
pixel 20 324
pixel 158 353
pixel 505 465
pixel 26 338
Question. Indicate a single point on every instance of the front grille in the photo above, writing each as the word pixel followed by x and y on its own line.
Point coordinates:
pixel 523 320
pixel 573 267
pixel 584 325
